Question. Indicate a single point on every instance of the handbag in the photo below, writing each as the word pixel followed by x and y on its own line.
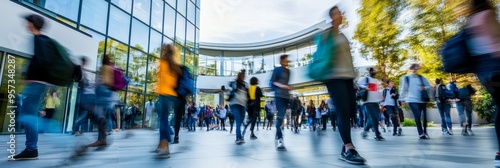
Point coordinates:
pixel 322 58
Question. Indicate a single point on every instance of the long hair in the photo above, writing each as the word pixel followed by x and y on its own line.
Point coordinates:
pixel 106 60
pixel 170 53
pixel 476 6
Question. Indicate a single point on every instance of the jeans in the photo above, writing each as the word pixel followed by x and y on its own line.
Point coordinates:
pixel 166 106
pixel 208 121
pixel 361 117
pixel 418 109
pixel 239 116
pixel 373 116
pixel 392 111
pixel 444 112
pixel 465 109
pixel 32 95
pixel 86 105
pixel 281 105
pixel 342 93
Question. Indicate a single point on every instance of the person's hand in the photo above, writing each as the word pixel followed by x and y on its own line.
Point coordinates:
pixel 403 103
pixel 287 87
pixel 393 94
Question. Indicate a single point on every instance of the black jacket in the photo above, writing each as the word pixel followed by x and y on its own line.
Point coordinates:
pixel 44 49
pixel 393 91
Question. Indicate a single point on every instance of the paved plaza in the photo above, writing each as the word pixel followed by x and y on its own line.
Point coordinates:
pixel 307 149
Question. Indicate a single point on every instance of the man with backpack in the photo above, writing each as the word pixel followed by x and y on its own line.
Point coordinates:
pixel 390 95
pixel 464 107
pixel 443 97
pixel 281 88
pixel 47 53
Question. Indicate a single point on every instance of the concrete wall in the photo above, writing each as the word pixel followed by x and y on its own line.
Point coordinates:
pixel 433 115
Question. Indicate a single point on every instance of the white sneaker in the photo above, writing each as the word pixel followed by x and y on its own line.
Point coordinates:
pixel 280 144
pixel 163 153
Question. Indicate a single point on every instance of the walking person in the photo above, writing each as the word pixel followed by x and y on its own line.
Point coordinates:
pixel 332 113
pixel 280 79
pixel 390 95
pixel 443 97
pixel 270 114
pixel 324 114
pixel 39 76
pixel 340 85
pixel 413 92
pixel 371 104
pixel 149 106
pixel 311 111
pixel 237 102
pixel 222 116
pixel 180 111
pixel 86 99
pixel 168 76
pixel 482 27
pixel 464 107
pixel 230 116
pixel 253 107
pixel 207 116
pixel 296 107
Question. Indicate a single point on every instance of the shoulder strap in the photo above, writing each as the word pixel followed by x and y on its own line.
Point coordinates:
pixel 407 80
pixel 367 80
pixel 385 93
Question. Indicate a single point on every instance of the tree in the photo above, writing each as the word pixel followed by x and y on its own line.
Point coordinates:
pixel 378 35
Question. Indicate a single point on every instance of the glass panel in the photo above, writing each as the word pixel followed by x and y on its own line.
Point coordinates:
pixel 140 33
pixel 168 25
pixel 190 36
pixel 157 15
pixel 228 67
pixel 124 4
pixel 15 69
pixel 181 7
pixel 198 17
pixel 212 67
pixel 276 57
pixel 137 100
pixel 197 41
pixel 137 70
pixel 94 14
pixel 202 61
pixel 304 55
pixel 190 60
pixel 292 56
pixel 166 40
pixel 142 10
pixel 155 43
pixel 100 49
pixel 191 13
pixel 119 23
pixel 258 64
pixel 118 53
pixel 152 73
pixel 247 64
pixel 171 2
pixel 180 30
pixel 68 9
pixel 268 62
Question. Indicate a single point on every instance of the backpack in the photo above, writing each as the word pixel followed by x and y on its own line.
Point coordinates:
pixel 58 66
pixel 424 93
pixel 120 81
pixel 276 73
pixel 185 83
pixel 444 94
pixel 363 92
pixel 455 54
pixel 322 58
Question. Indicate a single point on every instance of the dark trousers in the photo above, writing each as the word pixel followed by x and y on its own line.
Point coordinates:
pixel 420 110
pixel 179 112
pixel 373 116
pixel 392 111
pixel 231 123
pixel 281 105
pixel 208 121
pixel 324 119
pixel 333 118
pixel 491 81
pixel 253 112
pixel 444 112
pixel 361 117
pixel 342 93
pixel 465 110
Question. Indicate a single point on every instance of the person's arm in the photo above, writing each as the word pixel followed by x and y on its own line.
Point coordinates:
pixel 427 85
pixel 362 82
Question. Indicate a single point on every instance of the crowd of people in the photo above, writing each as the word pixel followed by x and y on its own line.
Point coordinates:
pixel 368 107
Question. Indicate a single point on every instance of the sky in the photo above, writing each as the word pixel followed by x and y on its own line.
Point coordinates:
pixel 247 21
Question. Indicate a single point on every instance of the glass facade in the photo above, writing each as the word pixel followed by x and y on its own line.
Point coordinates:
pixel 132 31
pixel 300 55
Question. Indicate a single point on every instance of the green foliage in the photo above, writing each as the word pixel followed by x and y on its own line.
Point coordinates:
pixel 483 105
pixel 409 122
pixel 378 34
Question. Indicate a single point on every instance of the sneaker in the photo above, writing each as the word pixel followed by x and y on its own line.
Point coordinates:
pixel 379 138
pixel 26 155
pixel 240 141
pixel 334 129
pixel 163 153
pixel 423 137
pixel 97 144
pixel 497 161
pixel 470 132
pixel 78 133
pixel 450 132
pixel 394 134
pixel 364 134
pixel 352 157
pixel 253 137
pixel 280 145
pixel 400 131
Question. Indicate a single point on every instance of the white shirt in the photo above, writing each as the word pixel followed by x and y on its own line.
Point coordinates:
pixel 389 101
pixel 149 107
pixel 374 96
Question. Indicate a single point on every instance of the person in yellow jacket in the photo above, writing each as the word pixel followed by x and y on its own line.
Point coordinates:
pixel 51 103
pixel 168 75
